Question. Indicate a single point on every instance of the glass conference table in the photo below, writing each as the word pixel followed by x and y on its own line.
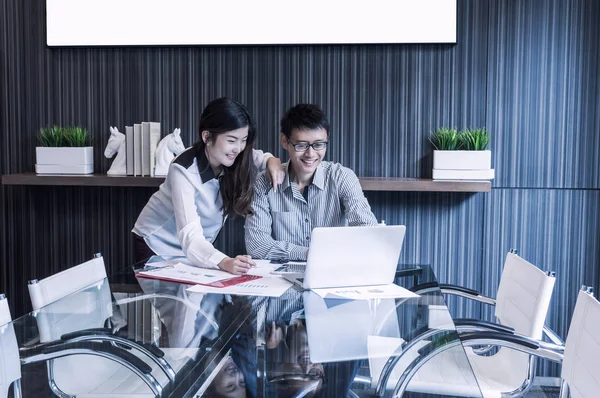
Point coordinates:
pixel 131 336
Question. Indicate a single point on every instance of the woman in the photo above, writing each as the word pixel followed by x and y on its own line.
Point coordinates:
pixel 206 183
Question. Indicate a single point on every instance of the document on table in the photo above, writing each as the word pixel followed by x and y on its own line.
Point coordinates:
pixel 266 287
pixel 365 292
pixel 183 273
pixel 263 268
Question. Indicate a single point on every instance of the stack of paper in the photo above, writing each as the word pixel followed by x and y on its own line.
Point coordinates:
pixel 183 273
pixel 266 287
pixel 258 281
pixel 365 292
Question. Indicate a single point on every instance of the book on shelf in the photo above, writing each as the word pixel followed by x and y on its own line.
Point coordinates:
pixel 129 149
pixel 154 140
pixel 145 149
pixel 137 149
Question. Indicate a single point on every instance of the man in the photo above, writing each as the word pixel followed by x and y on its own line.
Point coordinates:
pixel 314 193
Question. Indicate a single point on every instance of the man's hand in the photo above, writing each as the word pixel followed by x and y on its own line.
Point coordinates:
pixel 275 172
pixel 238 265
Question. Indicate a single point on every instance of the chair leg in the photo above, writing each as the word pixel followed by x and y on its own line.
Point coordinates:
pixel 564 390
pixel 17 389
pixel 57 391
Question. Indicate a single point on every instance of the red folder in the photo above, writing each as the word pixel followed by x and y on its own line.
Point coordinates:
pixel 224 283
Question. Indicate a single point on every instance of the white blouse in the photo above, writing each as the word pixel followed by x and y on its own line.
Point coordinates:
pixel 185 216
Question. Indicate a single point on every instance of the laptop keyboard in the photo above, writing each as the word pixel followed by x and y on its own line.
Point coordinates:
pixel 293 268
pixel 299 268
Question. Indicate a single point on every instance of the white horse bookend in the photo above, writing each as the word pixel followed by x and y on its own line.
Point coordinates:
pixel 116 144
pixel 167 149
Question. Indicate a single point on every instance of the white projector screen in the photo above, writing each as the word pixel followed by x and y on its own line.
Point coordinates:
pixel 248 22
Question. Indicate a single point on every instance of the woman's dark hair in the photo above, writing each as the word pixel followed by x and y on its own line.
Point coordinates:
pixel 220 116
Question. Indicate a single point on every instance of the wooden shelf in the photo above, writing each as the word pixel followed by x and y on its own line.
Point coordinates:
pixel 90 180
pixel 422 184
pixel 367 183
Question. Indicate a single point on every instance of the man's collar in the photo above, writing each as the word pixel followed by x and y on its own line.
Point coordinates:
pixel 286 179
pixel 204 168
pixel 318 178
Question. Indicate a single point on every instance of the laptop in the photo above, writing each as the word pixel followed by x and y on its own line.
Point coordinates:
pixel 350 256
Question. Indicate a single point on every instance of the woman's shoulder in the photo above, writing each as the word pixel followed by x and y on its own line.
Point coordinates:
pixel 186 158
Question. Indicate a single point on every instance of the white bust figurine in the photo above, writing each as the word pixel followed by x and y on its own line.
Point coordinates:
pixel 116 144
pixel 167 149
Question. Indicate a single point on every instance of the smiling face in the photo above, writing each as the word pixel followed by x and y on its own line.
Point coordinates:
pixel 223 149
pixel 304 164
pixel 229 382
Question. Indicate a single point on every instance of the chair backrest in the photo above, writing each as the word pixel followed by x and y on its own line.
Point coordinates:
pixel 523 296
pixel 10 366
pixel 4 311
pixel 57 286
pixel 87 306
pixel 581 362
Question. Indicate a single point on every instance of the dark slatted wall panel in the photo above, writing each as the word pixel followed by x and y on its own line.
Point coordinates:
pixel 527 70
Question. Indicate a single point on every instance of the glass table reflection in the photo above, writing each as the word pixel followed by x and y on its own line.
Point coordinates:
pixel 232 346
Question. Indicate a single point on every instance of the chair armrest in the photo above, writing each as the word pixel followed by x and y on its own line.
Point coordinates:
pixel 468 324
pixel 466 293
pixel 445 288
pixel 43 353
pixel 514 341
pixel 87 332
pixel 99 347
pixel 103 334
pixel 455 288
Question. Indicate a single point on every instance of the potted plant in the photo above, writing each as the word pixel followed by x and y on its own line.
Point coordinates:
pixel 64 150
pixel 461 156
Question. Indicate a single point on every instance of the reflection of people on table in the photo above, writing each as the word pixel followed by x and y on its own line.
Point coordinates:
pixel 187 317
pixel 228 383
pixel 288 367
pixel 291 370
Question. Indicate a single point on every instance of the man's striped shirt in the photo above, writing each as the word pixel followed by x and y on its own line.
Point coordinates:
pixel 282 222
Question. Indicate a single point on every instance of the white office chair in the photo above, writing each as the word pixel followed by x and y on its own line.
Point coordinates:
pixel 581 363
pixel 75 344
pixel 10 366
pixel 521 306
pixel 579 356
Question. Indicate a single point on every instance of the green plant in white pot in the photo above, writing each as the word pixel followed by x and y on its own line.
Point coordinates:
pixel 64 150
pixel 461 156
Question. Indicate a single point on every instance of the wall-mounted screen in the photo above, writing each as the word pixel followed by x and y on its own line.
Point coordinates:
pixel 248 22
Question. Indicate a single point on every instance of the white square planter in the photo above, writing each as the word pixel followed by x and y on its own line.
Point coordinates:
pixel 463 174
pixel 462 160
pixel 64 160
pixel 462 165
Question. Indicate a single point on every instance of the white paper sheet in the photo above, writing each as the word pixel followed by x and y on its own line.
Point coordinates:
pixel 183 273
pixel 263 268
pixel 267 287
pixel 365 292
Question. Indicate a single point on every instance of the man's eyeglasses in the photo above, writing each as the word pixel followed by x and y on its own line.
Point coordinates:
pixel 303 146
